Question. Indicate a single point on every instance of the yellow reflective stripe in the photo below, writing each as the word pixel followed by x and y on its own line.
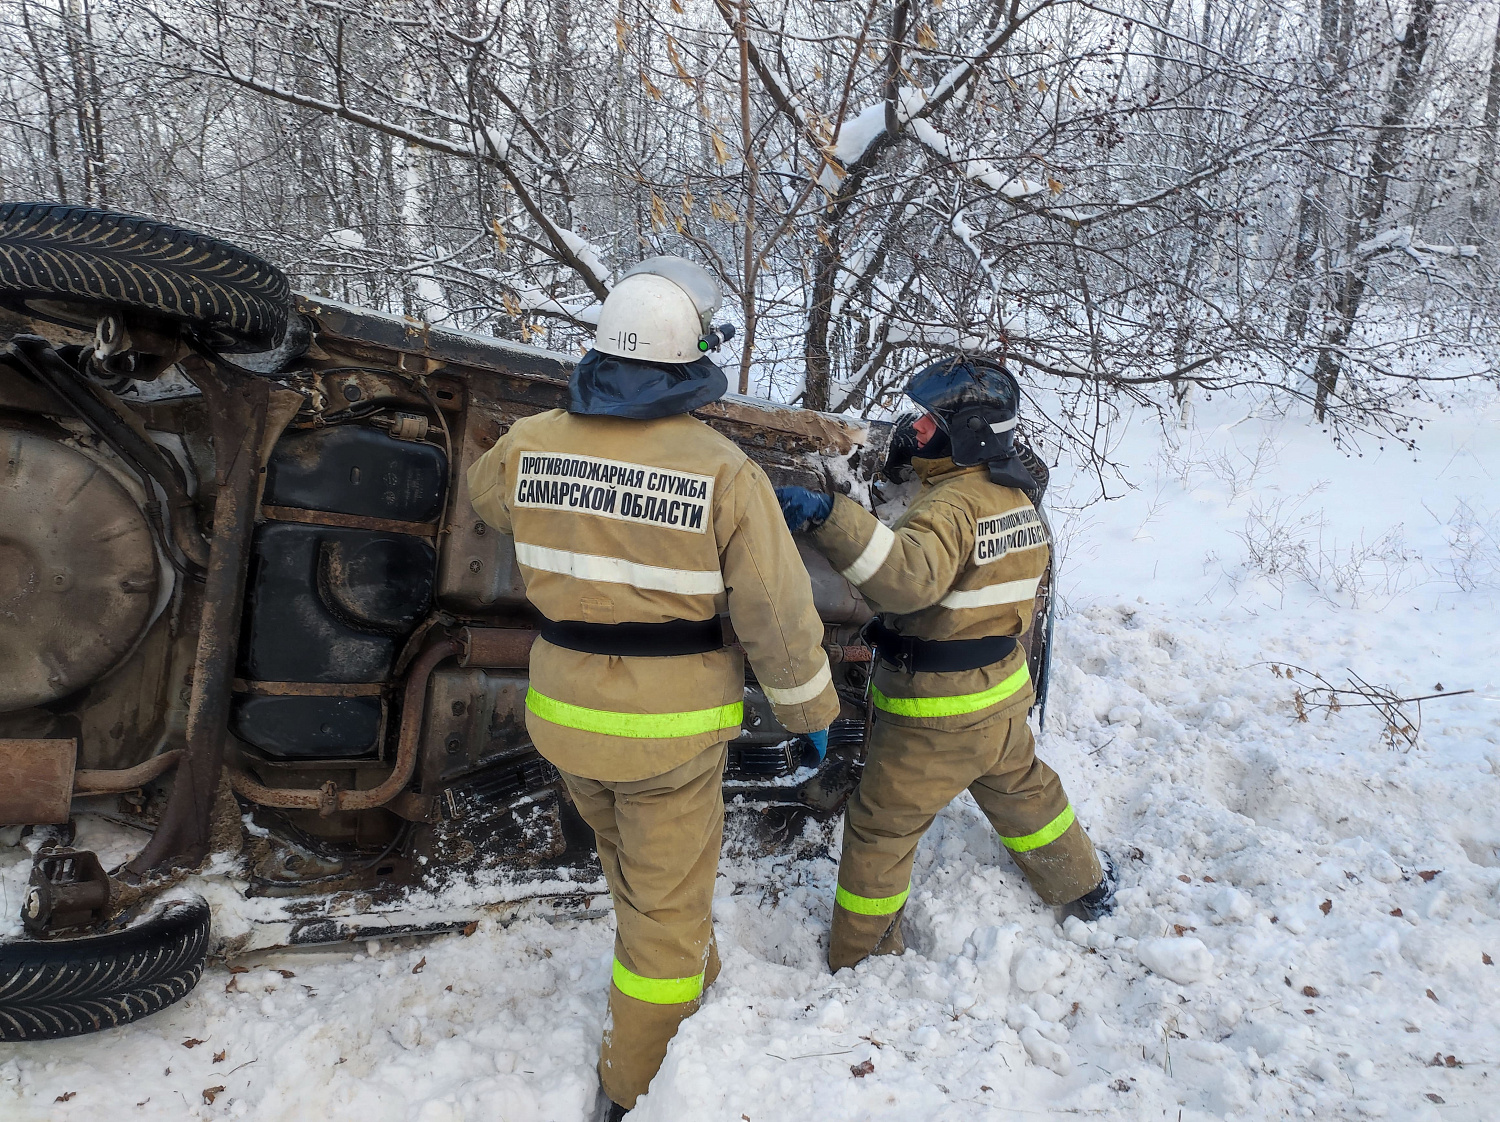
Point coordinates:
pixel 658 991
pixel 876 550
pixel 952 706
pixel 640 725
pixel 870 906
pixel 807 691
pixel 1047 834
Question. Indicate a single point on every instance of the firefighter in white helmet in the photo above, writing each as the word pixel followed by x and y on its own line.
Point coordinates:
pixel 637 527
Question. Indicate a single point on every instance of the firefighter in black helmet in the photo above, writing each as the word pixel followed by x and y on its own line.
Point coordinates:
pixel 954 582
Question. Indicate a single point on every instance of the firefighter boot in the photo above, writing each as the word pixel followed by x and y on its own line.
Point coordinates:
pixel 1098 901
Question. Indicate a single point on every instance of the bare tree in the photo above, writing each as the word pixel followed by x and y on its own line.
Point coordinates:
pixel 1144 199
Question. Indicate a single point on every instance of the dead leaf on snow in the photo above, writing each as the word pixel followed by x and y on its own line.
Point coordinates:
pixel 209 1093
pixel 239 969
pixel 1436 1098
pixel 191 1042
pixel 859 1071
pixel 1397 912
pixel 1432 995
pixel 1488 961
pixel 471 927
pixel 220 1057
pixel 1428 874
pixel 286 973
pixel 65 1096
pixel 419 967
pixel 1325 907
pixel 1309 991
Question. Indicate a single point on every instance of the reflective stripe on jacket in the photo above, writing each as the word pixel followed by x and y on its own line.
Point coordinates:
pixel 963 562
pixel 628 521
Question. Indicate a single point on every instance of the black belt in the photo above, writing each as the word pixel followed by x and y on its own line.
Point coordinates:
pixel 644 640
pixel 927 656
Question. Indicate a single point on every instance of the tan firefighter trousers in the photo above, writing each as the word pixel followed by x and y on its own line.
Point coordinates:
pixel 658 841
pixel 910 775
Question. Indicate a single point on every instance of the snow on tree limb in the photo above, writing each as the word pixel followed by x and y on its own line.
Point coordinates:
pixel 493 150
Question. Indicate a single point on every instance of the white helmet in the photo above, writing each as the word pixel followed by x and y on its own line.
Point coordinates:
pixel 661 311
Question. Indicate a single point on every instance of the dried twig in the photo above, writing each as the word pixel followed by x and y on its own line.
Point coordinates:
pixel 1401 727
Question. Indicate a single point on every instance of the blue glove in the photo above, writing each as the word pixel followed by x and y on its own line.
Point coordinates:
pixel 803 509
pixel 819 742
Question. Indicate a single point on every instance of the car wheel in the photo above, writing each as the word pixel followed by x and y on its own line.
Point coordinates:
pixel 68 987
pixel 70 264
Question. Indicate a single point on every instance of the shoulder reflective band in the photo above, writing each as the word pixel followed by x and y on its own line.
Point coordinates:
pixel 1010 592
pixel 807 691
pixel 1045 836
pixel 613 570
pixel 867 906
pixel 952 706
pixel 644 726
pixel 876 550
pixel 658 991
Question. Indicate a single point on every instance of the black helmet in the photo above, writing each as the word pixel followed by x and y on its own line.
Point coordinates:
pixel 975 400
pixel 944 387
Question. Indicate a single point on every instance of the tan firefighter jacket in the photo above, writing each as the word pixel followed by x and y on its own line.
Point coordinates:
pixel 629 521
pixel 963 562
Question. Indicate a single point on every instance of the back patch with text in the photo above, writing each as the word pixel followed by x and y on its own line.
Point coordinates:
pixel 630 492
pixel 1015 530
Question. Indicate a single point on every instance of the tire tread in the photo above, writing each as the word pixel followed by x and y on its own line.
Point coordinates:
pixel 48 250
pixel 71 987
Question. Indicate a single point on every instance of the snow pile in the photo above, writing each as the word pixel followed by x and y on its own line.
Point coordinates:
pixel 1308 918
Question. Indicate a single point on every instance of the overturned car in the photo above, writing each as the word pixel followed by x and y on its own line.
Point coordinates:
pixel 247 611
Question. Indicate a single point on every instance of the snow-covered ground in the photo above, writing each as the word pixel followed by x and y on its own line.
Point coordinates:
pixel 1308 915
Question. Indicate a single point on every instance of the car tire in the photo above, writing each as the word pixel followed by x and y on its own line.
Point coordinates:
pixel 69 987
pixel 69 263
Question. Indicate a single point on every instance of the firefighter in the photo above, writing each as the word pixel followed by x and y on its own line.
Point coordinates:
pixel 954 584
pixel 636 527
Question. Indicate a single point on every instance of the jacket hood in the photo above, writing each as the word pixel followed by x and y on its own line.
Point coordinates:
pixel 607 386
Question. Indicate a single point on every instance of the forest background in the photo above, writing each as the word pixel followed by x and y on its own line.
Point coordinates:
pixel 1134 200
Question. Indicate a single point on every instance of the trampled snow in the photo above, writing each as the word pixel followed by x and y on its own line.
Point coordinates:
pixel 1308 916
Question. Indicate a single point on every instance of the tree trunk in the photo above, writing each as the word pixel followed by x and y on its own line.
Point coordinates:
pixel 1333 39
pixel 1484 173
pixel 1390 143
pixel 818 384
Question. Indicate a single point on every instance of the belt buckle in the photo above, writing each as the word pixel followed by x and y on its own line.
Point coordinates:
pixel 896 659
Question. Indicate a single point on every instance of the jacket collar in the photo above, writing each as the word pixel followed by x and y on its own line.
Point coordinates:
pixel 930 471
